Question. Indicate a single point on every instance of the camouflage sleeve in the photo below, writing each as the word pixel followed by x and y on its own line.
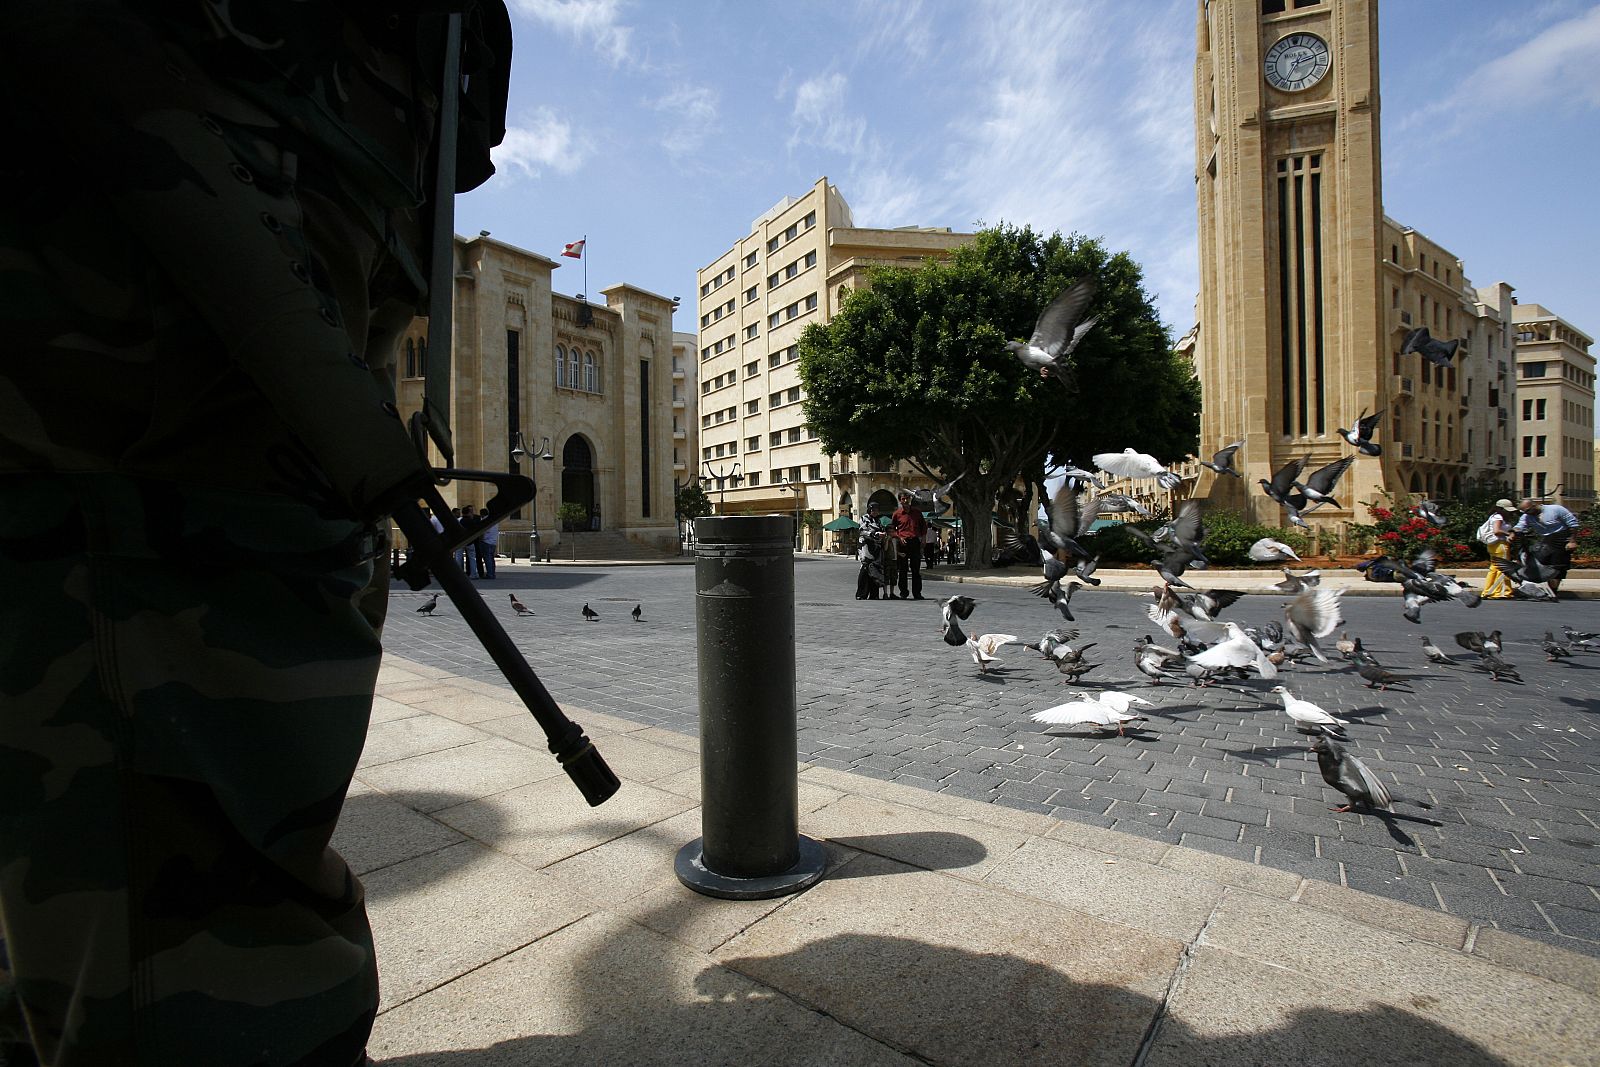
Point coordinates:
pixel 215 188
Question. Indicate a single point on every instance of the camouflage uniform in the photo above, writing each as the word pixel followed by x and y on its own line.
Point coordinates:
pixel 208 244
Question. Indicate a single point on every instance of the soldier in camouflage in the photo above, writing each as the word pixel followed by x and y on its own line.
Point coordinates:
pixel 209 241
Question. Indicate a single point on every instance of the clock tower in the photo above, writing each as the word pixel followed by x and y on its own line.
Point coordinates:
pixel 1292 327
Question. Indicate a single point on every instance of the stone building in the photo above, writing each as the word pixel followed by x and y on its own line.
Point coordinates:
pixel 590 385
pixel 1307 290
pixel 792 269
pixel 1555 416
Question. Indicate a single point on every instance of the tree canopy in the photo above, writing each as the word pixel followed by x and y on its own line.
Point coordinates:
pixel 914 367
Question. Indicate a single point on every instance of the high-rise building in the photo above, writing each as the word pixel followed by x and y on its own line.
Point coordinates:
pixel 1307 291
pixel 792 269
pixel 1555 418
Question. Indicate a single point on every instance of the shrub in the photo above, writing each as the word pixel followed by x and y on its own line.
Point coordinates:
pixel 1397 530
pixel 1229 537
pixel 1588 533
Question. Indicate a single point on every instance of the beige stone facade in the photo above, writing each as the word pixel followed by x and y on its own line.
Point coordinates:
pixel 793 267
pixel 1555 414
pixel 596 380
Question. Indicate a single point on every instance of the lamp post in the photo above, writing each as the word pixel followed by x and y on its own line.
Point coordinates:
pixel 799 490
pixel 519 449
pixel 722 475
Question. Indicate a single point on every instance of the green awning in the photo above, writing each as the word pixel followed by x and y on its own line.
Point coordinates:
pixel 843 522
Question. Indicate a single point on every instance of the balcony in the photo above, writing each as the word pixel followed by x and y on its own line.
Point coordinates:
pixel 1405 317
pixel 680 435
pixel 1500 416
pixel 1401 386
pixel 1405 450
pixel 1503 369
pixel 679 403
pixel 677 372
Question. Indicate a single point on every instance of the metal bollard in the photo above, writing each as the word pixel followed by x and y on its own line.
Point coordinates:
pixel 750 846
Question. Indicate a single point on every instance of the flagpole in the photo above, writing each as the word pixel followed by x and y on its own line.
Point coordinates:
pixel 584 248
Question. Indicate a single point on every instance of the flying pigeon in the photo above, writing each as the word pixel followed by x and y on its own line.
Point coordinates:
pixel 518 606
pixel 589 614
pixel 984 649
pixel 1268 550
pixel 1429 510
pixel 951 609
pixel 427 609
pixel 1087 710
pixel 931 500
pixel 1308 717
pixel 1294 584
pixel 1281 489
pixel 1349 776
pixel 960 606
pixel 1439 353
pixel 1237 650
pixel 1311 615
pixel 1131 464
pixel 1113 503
pixel 1062 600
pixel 1318 487
pixel 1057 332
pixel 637 613
pixel 1479 642
pixel 1050 640
pixel 1361 436
pixel 1076 474
pixel 1222 461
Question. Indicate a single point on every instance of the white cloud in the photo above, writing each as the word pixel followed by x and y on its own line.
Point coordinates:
pixel 692 112
pixel 1556 65
pixel 821 119
pixel 546 142
pixel 597 21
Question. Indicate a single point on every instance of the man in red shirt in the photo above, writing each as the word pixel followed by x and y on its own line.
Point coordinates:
pixel 907 526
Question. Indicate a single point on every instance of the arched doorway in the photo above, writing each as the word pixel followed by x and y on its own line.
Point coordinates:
pixel 884 501
pixel 577 480
pixel 1416 483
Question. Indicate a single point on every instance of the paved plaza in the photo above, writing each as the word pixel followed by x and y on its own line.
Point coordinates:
pixel 1510 770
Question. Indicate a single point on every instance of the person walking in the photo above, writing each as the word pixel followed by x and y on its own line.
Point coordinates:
pixel 487 544
pixel 870 581
pixel 1495 533
pixel 1554 531
pixel 930 546
pixel 907 527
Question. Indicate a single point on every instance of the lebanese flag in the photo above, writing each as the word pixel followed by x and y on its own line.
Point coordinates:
pixel 574 250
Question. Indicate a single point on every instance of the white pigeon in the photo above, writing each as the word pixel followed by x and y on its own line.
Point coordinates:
pixel 1307 716
pixel 984 648
pixel 1058 331
pixel 1119 701
pixel 1076 712
pixel 1131 464
pixel 1237 650
pixel 1313 614
pixel 1268 550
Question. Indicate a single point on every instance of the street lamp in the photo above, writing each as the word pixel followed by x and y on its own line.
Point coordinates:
pixel 519 449
pixel 723 474
pixel 799 490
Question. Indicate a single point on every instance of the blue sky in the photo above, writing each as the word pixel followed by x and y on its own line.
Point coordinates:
pixel 661 130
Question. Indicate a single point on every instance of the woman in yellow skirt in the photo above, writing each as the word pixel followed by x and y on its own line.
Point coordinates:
pixel 1496 586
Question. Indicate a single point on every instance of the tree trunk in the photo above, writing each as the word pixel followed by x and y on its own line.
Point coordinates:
pixel 974 501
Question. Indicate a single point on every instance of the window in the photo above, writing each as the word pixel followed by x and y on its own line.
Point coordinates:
pixel 573 381
pixel 705 290
pixel 411 358
pixel 791 270
pixel 1527 485
pixel 810 220
pixel 1527 446
pixel 811 259
pixel 1527 411
pixel 774 358
pixel 752 369
pixel 1538 445
pixel 750 260
pixel 792 232
pixel 774 399
pixel 792 396
pixel 1427 372
pixel 1538 410
pixel 772 246
pixel 561 366
pixel 1533 370
pixel 754 478
pixel 752 407
pixel 705 387
pixel 814 472
pixel 751 293
pixel 772 281
pixel 752 444
pixel 752 331
pixel 793 435
pixel 794 474
pixel 591 373
pixel 775 438
pixel 705 421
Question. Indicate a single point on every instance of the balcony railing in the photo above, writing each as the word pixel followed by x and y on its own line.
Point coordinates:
pixel 1500 415
pixel 1405 450
pixel 1405 317
pixel 1403 386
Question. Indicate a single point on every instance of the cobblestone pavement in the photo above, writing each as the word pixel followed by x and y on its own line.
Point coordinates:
pixel 1512 771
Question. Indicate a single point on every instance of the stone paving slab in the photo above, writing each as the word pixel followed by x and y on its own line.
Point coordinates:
pixel 1511 771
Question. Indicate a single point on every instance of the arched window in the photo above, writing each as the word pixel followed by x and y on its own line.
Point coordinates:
pixel 590 382
pixel 561 366
pixel 411 358
pixel 422 356
pixel 573 381
pixel 1416 482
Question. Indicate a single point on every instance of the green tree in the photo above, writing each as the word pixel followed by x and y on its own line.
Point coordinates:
pixel 569 515
pixel 691 502
pixel 915 367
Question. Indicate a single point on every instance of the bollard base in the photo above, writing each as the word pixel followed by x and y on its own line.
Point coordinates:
pixel 692 872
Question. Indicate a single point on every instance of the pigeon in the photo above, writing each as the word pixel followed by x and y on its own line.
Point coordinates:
pixel 952 609
pixel 1479 642
pixel 1294 584
pixel 1154 661
pixel 932 500
pixel 1361 436
pixel 1222 461
pixel 1553 649
pixel 1530 575
pixel 1308 717
pixel 1268 550
pixel 1050 641
pixel 637 613
pixel 1058 331
pixel 1087 710
pixel 589 614
pixel 1582 639
pixel 1349 776
pixel 984 649
pixel 427 609
pixel 518 606
pixel 1311 615
pixel 1429 510
pixel 1318 487
pixel 1439 353
pixel 1064 652
pixel 1496 668
pixel 1120 701
pixel 1346 646
pixel 1284 481
pixel 1131 464
pixel 1237 650
pixel 1076 474
pixel 1377 677
pixel 1112 503
pixel 1434 653
pixel 1062 601
pixel 1205 605
pixel 1072 671
pixel 1178 545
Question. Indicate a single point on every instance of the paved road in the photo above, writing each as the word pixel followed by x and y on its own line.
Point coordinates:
pixel 1512 772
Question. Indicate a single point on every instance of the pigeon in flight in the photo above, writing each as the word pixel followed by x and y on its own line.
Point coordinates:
pixel 1113 503
pixel 518 606
pixel 1295 584
pixel 1439 353
pixel 1309 718
pixel 637 613
pixel 1222 461
pixel 1087 710
pixel 1318 488
pixel 1061 600
pixel 427 609
pixel 1237 650
pixel 1131 464
pixel 1076 474
pixel 1269 550
pixel 1282 489
pixel 1312 615
pixel 1361 436
pixel 984 648
pixel 1429 510
pixel 1058 332
pixel 1479 642
pixel 953 608
pixel 589 614
pixel 932 500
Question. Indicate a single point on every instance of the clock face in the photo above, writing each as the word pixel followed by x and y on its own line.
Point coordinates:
pixel 1297 62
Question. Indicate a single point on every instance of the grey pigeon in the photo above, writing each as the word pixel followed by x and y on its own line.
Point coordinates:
pixel 518 606
pixel 1439 353
pixel 1062 601
pixel 1312 615
pixel 1057 332
pixel 1429 510
pixel 1496 668
pixel 1553 649
pixel 1350 776
pixel 427 609
pixel 637 613
pixel 1318 486
pixel 1434 653
pixel 1361 436
pixel 1222 461
pixel 589 614
pixel 1377 677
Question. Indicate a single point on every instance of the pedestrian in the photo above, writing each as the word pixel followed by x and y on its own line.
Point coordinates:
pixel 487 544
pixel 1554 533
pixel 1495 533
pixel 468 523
pixel 891 555
pixel 870 579
pixel 930 545
pixel 213 239
pixel 908 528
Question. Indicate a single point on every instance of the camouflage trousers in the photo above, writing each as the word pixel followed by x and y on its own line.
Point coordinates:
pixel 185 681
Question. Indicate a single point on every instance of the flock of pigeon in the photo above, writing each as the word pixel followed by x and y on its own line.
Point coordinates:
pixel 522 610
